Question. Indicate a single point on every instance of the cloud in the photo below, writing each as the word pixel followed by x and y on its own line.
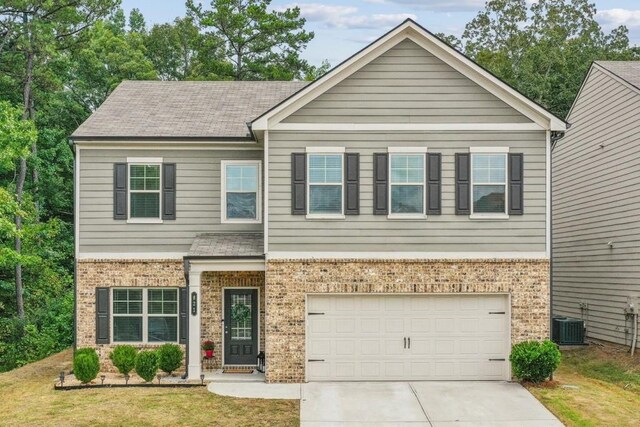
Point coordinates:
pixel 616 17
pixel 347 17
pixel 436 5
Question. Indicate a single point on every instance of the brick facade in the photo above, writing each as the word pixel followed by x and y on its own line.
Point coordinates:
pixel 92 274
pixel 288 281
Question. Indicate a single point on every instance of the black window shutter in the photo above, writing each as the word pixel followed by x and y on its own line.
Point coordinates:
pixel 102 316
pixel 168 191
pixel 516 187
pixel 120 191
pixel 184 315
pixel 463 190
pixel 298 184
pixel 434 183
pixel 380 184
pixel 352 183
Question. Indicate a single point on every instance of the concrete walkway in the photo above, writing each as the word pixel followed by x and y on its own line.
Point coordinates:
pixel 254 390
pixel 433 404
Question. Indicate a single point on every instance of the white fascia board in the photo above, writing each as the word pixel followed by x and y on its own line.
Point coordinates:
pixel 412 31
pixel 130 255
pixel 200 266
pixel 406 127
pixel 390 256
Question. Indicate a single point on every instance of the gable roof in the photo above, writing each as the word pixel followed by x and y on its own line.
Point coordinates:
pixel 628 71
pixel 183 110
pixel 411 30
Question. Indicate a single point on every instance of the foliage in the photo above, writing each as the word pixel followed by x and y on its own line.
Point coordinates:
pixel 123 358
pixel 147 365
pixel 86 365
pixel 543 48
pixel 170 357
pixel 240 312
pixel 534 361
pixel 260 43
pixel 208 345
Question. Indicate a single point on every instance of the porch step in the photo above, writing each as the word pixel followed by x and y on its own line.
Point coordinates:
pixel 218 376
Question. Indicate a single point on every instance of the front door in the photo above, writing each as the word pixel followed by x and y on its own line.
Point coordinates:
pixel 240 326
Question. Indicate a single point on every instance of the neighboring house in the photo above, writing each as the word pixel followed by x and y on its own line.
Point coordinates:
pixel 389 221
pixel 596 200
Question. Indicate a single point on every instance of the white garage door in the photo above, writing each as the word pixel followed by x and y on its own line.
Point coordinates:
pixel 407 337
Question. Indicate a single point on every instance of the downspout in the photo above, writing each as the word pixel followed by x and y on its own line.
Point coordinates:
pixel 555 137
pixel 186 263
pixel 75 245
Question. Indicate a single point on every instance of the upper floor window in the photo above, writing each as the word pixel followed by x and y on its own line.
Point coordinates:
pixel 144 191
pixel 407 184
pixel 241 191
pixel 145 315
pixel 489 183
pixel 325 184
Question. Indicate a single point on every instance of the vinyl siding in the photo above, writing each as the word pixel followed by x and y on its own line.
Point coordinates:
pixel 439 233
pixel 596 200
pixel 407 84
pixel 197 201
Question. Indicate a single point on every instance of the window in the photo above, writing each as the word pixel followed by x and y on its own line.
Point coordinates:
pixel 145 315
pixel 489 188
pixel 144 191
pixel 407 184
pixel 241 191
pixel 325 184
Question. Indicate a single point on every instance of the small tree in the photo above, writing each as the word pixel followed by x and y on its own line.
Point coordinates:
pixel 86 365
pixel 534 361
pixel 147 365
pixel 169 357
pixel 124 358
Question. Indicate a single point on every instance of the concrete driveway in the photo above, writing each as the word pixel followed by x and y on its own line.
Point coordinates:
pixel 437 404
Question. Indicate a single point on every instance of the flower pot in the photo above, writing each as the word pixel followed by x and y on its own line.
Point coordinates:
pixel 208 354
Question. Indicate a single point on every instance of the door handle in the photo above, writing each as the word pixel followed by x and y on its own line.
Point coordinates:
pixel 409 342
pixel 405 342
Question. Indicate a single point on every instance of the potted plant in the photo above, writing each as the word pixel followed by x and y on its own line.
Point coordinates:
pixel 208 348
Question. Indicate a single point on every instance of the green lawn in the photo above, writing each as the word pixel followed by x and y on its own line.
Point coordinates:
pixel 597 386
pixel 28 399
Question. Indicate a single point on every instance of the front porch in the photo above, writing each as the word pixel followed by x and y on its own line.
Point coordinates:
pixel 225 276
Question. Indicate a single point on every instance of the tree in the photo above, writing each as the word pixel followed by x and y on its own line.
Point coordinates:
pixel 260 44
pixel 543 50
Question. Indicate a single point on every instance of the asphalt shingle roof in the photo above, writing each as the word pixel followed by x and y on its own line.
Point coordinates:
pixel 626 70
pixel 184 109
pixel 231 245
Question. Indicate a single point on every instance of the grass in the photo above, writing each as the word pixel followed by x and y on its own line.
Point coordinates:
pixel 28 399
pixel 597 386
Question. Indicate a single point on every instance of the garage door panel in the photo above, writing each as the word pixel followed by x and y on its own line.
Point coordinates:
pixel 362 337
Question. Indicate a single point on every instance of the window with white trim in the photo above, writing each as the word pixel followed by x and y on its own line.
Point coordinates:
pixel 144 190
pixel 325 183
pixel 241 190
pixel 489 183
pixel 144 315
pixel 406 184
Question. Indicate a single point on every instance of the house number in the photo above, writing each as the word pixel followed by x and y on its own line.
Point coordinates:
pixel 194 303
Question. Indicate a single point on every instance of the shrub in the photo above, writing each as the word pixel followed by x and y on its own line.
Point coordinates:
pixel 147 365
pixel 86 365
pixel 124 358
pixel 534 361
pixel 169 357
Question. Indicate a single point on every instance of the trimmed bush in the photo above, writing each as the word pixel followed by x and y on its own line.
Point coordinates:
pixel 86 365
pixel 169 357
pixel 147 365
pixel 534 361
pixel 124 358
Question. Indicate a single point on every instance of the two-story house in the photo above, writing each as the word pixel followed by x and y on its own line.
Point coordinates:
pixel 388 221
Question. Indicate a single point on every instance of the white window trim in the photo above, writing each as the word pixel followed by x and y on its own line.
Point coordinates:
pixel 409 151
pixel 145 317
pixel 325 150
pixel 223 192
pixel 490 150
pixel 144 161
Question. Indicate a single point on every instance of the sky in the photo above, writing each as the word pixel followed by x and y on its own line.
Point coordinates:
pixel 342 27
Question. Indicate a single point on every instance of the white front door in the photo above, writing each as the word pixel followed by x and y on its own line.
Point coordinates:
pixel 407 337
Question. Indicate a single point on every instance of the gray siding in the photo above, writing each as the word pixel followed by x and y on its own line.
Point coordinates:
pixel 407 84
pixel 439 233
pixel 197 203
pixel 596 199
